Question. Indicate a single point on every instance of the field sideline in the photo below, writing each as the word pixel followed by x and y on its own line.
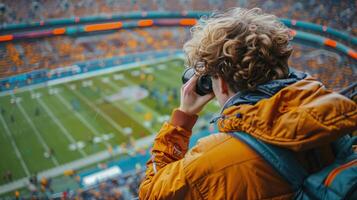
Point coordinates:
pixel 46 127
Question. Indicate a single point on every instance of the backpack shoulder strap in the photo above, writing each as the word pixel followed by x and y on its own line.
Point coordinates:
pixel 282 160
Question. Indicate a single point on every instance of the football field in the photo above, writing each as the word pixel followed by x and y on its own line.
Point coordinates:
pixel 49 126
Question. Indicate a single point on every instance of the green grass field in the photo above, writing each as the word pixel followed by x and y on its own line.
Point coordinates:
pixel 90 115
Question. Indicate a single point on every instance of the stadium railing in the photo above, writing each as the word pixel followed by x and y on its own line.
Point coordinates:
pixel 320 29
pixel 103 18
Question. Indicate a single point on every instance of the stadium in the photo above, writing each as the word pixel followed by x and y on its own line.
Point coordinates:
pixel 85 85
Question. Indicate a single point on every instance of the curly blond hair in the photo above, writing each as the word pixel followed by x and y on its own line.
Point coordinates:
pixel 245 47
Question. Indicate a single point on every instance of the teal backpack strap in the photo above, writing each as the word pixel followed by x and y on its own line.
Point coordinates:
pixel 342 185
pixel 282 160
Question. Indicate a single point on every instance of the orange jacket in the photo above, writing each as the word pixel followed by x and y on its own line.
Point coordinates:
pixel 300 117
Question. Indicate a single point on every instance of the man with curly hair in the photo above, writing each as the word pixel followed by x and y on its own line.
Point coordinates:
pixel 245 52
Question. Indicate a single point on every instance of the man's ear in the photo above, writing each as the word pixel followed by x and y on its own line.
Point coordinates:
pixel 223 86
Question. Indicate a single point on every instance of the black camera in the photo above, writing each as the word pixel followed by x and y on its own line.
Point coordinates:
pixel 204 83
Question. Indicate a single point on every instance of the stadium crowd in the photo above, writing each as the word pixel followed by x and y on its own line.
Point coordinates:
pixel 336 14
pixel 322 64
pixel 120 188
pixel 56 52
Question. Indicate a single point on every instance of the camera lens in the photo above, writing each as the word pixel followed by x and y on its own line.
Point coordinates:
pixel 187 74
pixel 203 85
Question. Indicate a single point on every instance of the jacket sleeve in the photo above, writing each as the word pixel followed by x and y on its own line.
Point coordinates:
pixel 165 178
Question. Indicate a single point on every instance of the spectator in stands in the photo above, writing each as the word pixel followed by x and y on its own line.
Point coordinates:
pixel 32 188
pixel 245 52
pixel 64 195
pixel 46 185
pixel 17 194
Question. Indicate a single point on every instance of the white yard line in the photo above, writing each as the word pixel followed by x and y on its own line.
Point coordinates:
pixel 79 116
pixel 85 161
pixel 151 131
pixel 39 137
pixel 17 151
pixel 77 164
pixel 141 104
pixel 60 125
pixel 99 111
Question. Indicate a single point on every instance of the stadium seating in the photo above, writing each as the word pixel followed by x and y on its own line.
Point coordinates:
pixel 317 11
pixel 64 51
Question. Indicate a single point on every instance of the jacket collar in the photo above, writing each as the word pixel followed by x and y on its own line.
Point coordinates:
pixel 301 116
pixel 263 91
